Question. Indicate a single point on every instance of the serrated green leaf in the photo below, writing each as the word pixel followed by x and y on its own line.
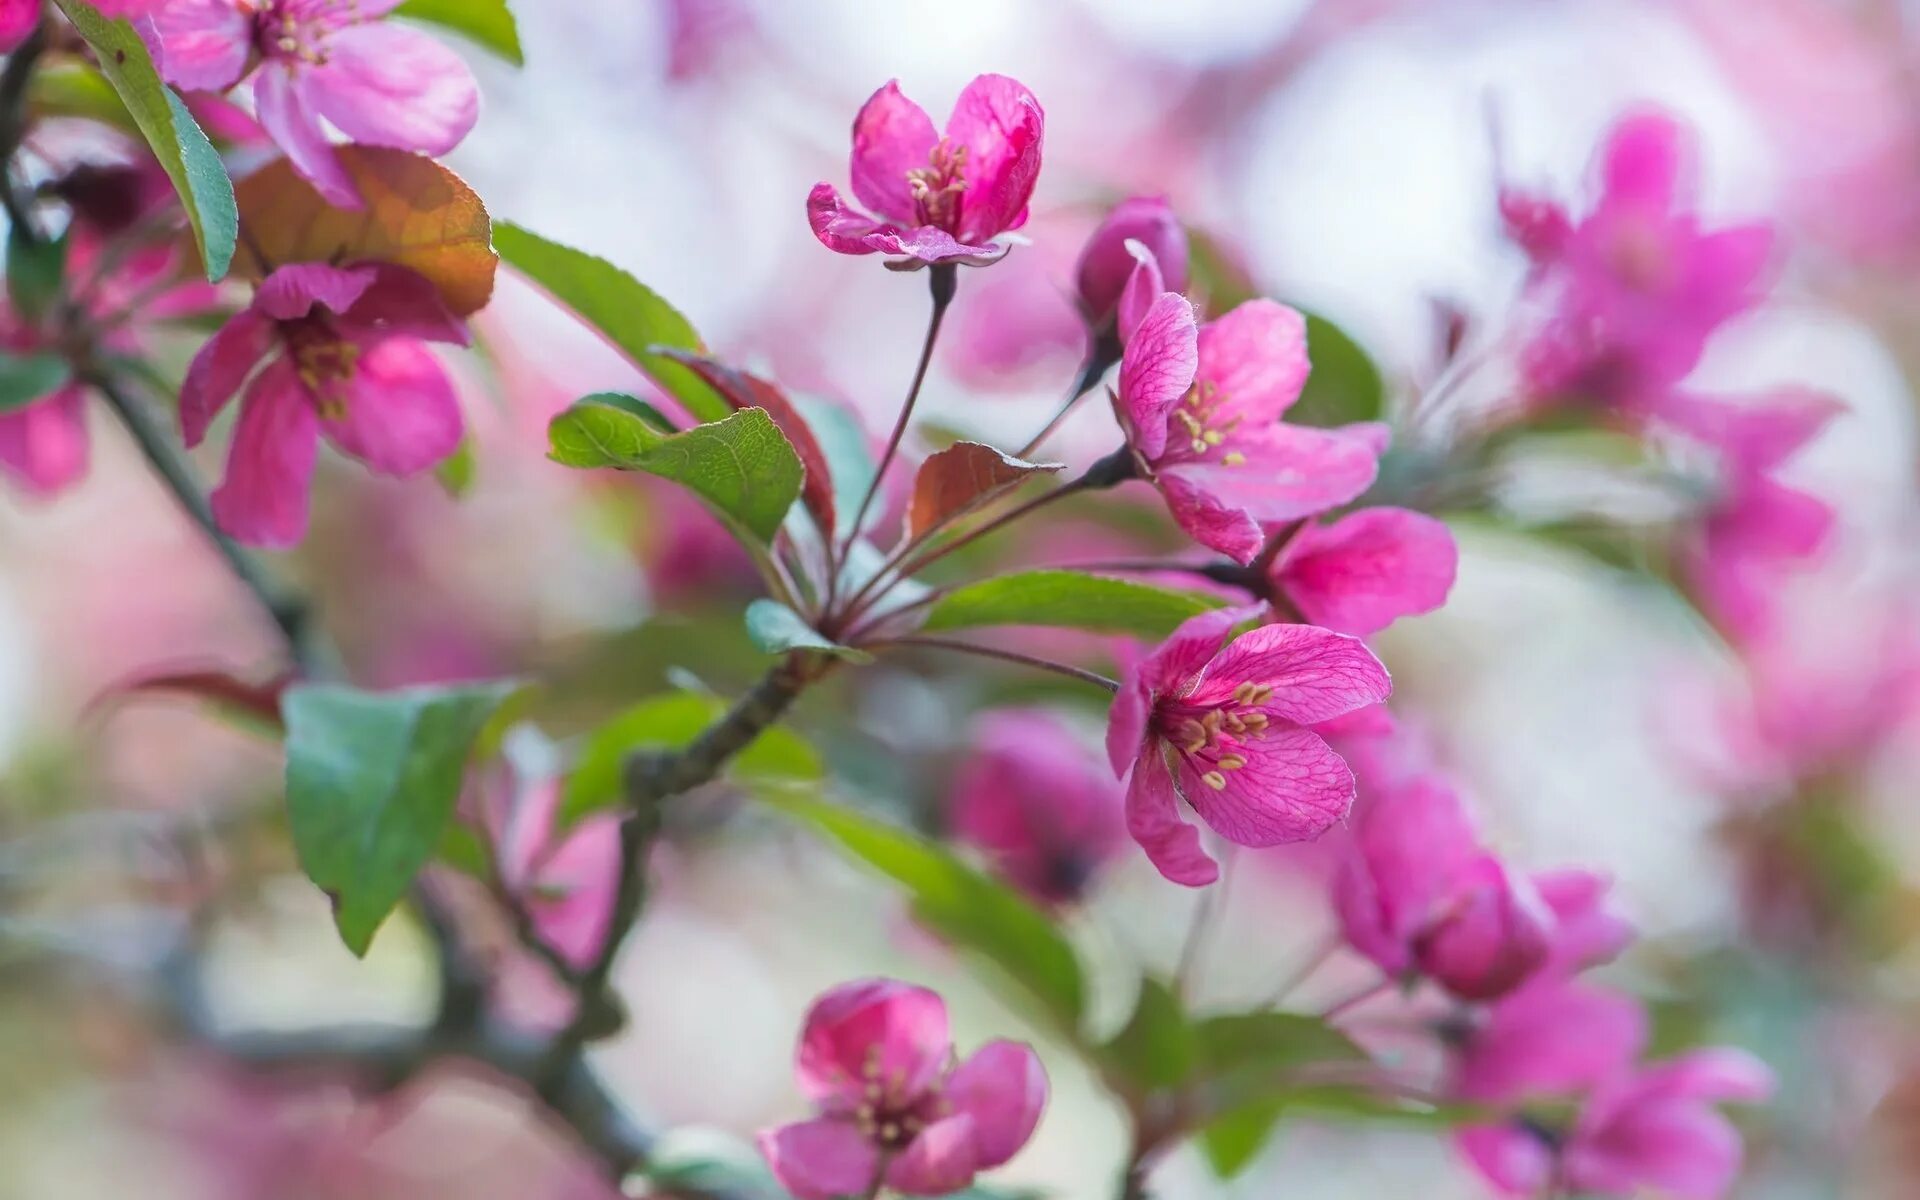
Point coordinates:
pixel 625 311
pixel 1157 1048
pixel 35 271
pixel 966 907
pixel 30 377
pixel 778 757
pixel 488 23
pixel 1069 599
pixel 1344 386
pixel 639 408
pixel 775 628
pixel 372 779
pixel 206 191
pixel 742 466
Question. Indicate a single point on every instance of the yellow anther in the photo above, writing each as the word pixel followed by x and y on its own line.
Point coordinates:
pixel 1231 762
pixel 1254 722
pixel 1215 780
pixel 1213 437
pixel 1193 735
pixel 1233 458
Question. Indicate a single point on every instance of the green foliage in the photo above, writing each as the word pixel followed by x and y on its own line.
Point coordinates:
pixel 775 628
pixel 625 311
pixel 741 466
pixel 29 377
pixel 75 89
pixel 1157 1049
pixel 372 779
pixel 848 451
pixel 455 472
pixel 34 272
pixel 188 157
pixel 488 23
pixel 1345 386
pixel 1071 600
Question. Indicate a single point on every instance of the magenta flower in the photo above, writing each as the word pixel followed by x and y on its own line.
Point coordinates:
pixel 1421 897
pixel 1044 811
pixel 1368 569
pixel 936 199
pixel 876 1060
pixel 1107 262
pixel 351 363
pixel 19 18
pixel 1201 407
pixel 1225 724
pixel 322 60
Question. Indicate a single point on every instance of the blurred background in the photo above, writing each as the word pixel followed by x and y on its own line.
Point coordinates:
pixel 1346 156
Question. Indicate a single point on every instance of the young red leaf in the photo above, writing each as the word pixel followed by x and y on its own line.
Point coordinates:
pixel 960 479
pixel 256 703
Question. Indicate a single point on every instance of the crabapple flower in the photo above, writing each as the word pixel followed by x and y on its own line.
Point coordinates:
pixel 381 84
pixel 1201 408
pixel 19 18
pixel 936 198
pixel 1107 263
pixel 1368 569
pixel 1225 723
pixel 876 1060
pixel 1046 814
pixel 344 355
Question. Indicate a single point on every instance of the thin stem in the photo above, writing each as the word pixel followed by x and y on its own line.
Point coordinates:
pixel 1104 352
pixel 1358 998
pixel 1012 656
pixel 1319 957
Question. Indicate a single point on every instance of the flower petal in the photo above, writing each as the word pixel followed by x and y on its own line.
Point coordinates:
pixel 263 499
pixel 1127 722
pixel 1717 1073
pixel 204 45
pixel 849 231
pixel 1153 818
pixel 938 1162
pixel 873 1030
pixel 1176 662
pixel 1206 515
pixel 1551 1038
pixel 1367 570
pixel 220 369
pixel 405 303
pixel 1672 1148
pixel 1001 124
pixel 1255 358
pixel 1512 1158
pixel 292 292
pixel 1003 1087
pixel 1316 674
pixel 1644 161
pixel 891 136
pixel 1156 370
pixel 1292 788
pixel 43 445
pixel 400 414
pixel 385 84
pixel 1289 472
pixel 1144 285
pixel 824 1159
pixel 295 128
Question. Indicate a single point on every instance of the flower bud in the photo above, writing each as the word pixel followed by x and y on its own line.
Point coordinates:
pixel 1106 263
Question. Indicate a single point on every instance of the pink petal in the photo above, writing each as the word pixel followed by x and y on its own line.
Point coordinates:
pixel 875 1030
pixel 1291 471
pixel 941 1160
pixel 204 44
pixel 1411 845
pixel 1156 371
pixel 1188 649
pixel 1127 722
pixel 1586 931
pixel 1643 161
pixel 1153 818
pixel 1685 1151
pixel 1755 434
pixel 387 85
pixel 220 369
pixel 1511 1158
pixel 1495 935
pixel 401 415
pixel 1550 1039
pixel 405 303
pixel 1717 1073
pixel 1000 123
pixel 891 136
pixel 1206 515
pixel 1316 674
pixel 292 292
pixel 1144 285
pixel 824 1159
pixel 296 129
pixel 1367 570
pixel 1293 788
pixel 1003 1087
pixel 1139 229
pixel 848 231
pixel 263 499
pixel 18 20
pixel 1255 358
pixel 43 445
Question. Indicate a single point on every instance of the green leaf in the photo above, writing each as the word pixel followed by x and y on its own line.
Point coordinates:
pixel 177 141
pixel 848 451
pixel 742 466
pixel 625 311
pixel 1157 1049
pixel 1233 1140
pixel 1270 1042
pixel 467 852
pixel 30 377
pixel 35 269
pixel 963 905
pixel 639 408
pixel 75 89
pixel 487 22
pixel 1071 600
pixel 455 472
pixel 372 779
pixel 777 757
pixel 1344 386
pixel 775 628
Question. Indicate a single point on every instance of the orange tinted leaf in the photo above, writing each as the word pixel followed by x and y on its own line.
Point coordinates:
pixel 418 214
pixel 960 479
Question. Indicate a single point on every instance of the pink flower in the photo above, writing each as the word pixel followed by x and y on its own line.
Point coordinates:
pixel 1044 811
pixel 1421 896
pixel 19 18
pixel 563 878
pixel 1656 1128
pixel 1225 723
pixel 1368 569
pixel 1635 288
pixel 937 199
pixel 351 364
pixel 876 1060
pixel 322 60
pixel 1107 262
pixel 1201 408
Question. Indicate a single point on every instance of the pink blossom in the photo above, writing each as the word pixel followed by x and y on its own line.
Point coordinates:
pixel 351 363
pixel 937 199
pixel 1107 262
pixel 876 1060
pixel 1363 572
pixel 19 18
pixel 563 878
pixel 1201 407
pixel 1225 724
pixel 335 61
pixel 1044 811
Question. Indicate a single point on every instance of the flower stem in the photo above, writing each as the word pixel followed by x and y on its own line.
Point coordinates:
pixel 1355 1000
pixel 1103 354
pixel 1012 656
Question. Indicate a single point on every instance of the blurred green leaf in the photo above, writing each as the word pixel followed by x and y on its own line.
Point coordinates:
pixel 848 451
pixel 775 628
pixel 1270 1042
pixel 487 22
pixel 455 472
pixel 964 906
pixel 372 779
pixel 184 152
pixel 741 466
pixel 1071 600
pixel 76 89
pixel 625 311
pixel 30 377
pixel 465 851
pixel 1231 1141
pixel 1344 386
pixel 1157 1049
pixel 35 269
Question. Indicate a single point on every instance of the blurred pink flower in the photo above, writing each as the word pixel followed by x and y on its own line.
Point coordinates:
pixel 1021 328
pixel 333 60
pixel 19 18
pixel 1368 569
pixel 563 878
pixel 1044 810
pixel 876 1060
pixel 937 199
pixel 1656 1128
pixel 351 362
pixel 1226 726
pixel 1201 407
pixel 1107 263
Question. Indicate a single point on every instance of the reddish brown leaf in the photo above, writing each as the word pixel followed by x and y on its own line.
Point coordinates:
pixel 960 479
pixel 741 390
pixel 258 703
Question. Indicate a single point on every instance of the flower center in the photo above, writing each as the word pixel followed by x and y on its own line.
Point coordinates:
pixel 323 360
pixel 298 29
pixel 887 1115
pixel 937 187
pixel 1212 736
pixel 1200 428
pixel 1640 256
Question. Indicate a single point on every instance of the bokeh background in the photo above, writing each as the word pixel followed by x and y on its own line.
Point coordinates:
pixel 1348 152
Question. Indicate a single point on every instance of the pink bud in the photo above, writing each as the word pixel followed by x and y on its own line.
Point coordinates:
pixel 1106 263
